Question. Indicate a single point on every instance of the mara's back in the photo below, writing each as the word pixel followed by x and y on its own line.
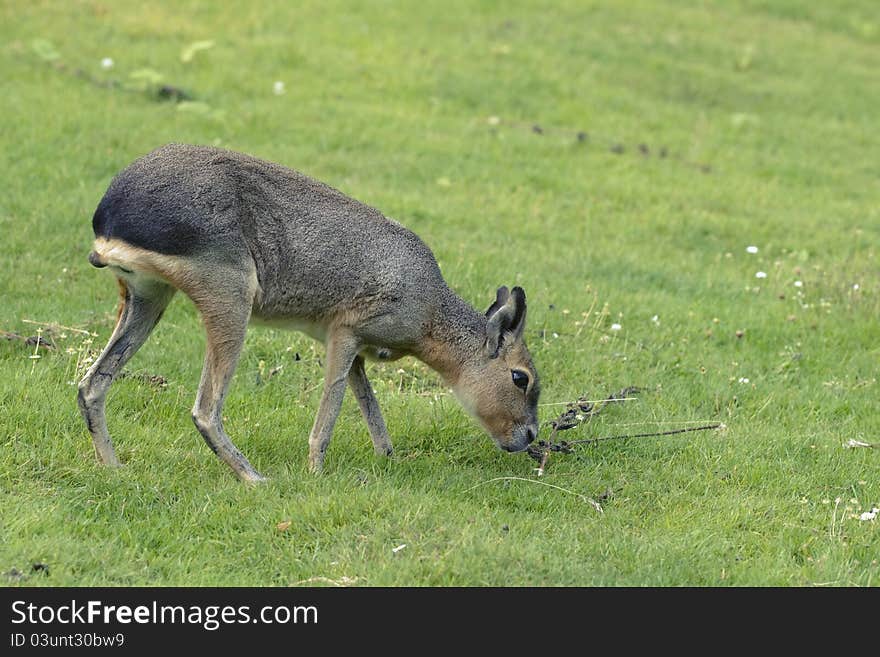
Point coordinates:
pixel 312 246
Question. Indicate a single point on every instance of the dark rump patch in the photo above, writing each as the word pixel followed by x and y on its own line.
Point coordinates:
pixel 145 223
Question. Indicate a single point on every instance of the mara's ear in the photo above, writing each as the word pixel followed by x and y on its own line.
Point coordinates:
pixel 506 316
pixel 518 325
pixel 501 297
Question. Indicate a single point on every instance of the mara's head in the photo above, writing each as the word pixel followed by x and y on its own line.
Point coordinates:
pixel 500 386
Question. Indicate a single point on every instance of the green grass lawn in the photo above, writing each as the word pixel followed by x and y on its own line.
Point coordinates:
pixel 614 159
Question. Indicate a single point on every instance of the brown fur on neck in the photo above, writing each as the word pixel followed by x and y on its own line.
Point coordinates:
pixel 455 337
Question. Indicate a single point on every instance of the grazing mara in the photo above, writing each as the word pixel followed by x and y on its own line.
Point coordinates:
pixel 250 240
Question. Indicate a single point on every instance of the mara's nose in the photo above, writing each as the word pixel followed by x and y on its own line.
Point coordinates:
pixel 532 433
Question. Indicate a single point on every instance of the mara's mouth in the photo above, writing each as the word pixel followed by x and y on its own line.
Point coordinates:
pixel 514 448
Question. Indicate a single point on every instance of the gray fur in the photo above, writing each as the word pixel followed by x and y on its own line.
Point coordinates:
pixel 241 208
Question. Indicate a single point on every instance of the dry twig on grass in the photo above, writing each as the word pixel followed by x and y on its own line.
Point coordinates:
pixel 575 412
pixel 854 444
pixel 579 411
pixel 589 500
pixel 155 380
pixel 55 327
pixel 29 340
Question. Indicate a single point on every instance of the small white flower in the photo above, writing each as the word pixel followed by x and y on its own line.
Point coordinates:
pixel 870 515
pixel 656 319
pixel 855 286
pixel 106 63
pixel 743 379
pixel 278 88
pixel 616 327
pixel 761 274
pixel 751 249
pixel 798 283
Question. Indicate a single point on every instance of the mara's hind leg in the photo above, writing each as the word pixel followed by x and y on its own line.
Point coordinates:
pixel 141 309
pixel 225 316
pixel 363 392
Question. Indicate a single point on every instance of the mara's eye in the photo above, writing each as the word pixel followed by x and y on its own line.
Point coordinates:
pixel 520 379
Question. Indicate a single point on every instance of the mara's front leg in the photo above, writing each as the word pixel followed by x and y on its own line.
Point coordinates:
pixel 342 349
pixel 363 391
